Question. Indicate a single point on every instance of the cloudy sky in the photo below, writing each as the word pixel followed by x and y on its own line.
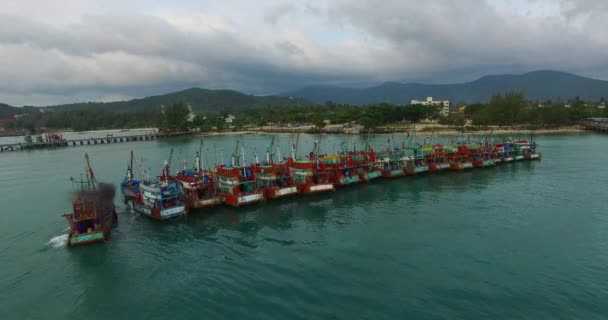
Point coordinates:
pixel 84 50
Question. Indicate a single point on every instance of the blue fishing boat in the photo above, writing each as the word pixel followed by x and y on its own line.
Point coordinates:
pixel 160 197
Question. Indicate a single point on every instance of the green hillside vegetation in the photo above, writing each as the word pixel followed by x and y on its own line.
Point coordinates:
pixel 201 101
pixel 510 109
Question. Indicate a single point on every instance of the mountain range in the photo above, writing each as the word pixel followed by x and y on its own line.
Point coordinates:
pixel 537 85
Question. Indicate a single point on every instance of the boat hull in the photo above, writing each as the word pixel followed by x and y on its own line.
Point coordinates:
pixel 345 181
pixel 244 200
pixel 412 171
pixel 439 167
pixel 315 188
pixel 457 166
pixel 393 173
pixel 158 213
pixel 369 176
pixel 276 193
pixel 86 238
pixel 483 163
pixel 203 203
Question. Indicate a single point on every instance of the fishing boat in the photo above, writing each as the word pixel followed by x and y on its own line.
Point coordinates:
pixel 198 187
pixel 436 159
pixel 129 187
pixel 274 177
pixel 340 167
pixel 527 149
pixel 480 155
pixel 160 197
pixel 237 184
pixel 459 158
pixel 365 166
pixel 93 212
pixel 417 162
pixel 391 162
pixel 308 175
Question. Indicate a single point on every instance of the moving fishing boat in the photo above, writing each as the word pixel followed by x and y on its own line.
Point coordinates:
pixel 274 177
pixel 198 187
pixel 160 197
pixel 237 184
pixel 93 212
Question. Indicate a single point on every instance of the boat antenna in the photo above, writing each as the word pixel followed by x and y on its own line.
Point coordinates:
pixel 130 172
pixel 270 154
pixel 200 163
pixel 297 143
pixel 235 156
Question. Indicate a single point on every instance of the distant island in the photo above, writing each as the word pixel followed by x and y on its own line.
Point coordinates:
pixel 536 99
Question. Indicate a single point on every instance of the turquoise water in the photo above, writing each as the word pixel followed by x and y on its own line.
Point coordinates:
pixel 526 240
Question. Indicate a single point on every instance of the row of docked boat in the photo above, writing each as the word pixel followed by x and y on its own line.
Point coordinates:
pixel 237 183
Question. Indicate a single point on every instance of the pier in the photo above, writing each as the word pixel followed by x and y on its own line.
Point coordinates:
pixel 86 141
pixel 595 124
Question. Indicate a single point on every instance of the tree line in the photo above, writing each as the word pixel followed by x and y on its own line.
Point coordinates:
pixel 509 109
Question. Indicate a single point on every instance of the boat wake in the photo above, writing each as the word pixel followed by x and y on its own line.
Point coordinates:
pixel 58 241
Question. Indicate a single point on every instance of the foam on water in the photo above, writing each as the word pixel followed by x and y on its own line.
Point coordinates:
pixel 58 241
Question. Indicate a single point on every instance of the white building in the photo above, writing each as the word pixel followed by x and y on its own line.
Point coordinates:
pixel 444 104
pixel 229 119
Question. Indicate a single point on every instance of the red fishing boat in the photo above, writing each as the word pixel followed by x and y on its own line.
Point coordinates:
pixel 198 185
pixel 437 159
pixel 459 158
pixel 237 184
pixel 274 178
pixel 93 212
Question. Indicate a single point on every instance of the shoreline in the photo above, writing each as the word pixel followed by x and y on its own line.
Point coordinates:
pixel 424 131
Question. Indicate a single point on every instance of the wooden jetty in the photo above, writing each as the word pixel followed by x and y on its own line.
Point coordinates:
pixel 595 124
pixel 88 141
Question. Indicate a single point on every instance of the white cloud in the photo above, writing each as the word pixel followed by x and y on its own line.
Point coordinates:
pixel 85 50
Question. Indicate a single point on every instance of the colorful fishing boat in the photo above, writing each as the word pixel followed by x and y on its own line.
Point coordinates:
pixel 527 149
pixel 391 162
pixel 93 212
pixel 436 159
pixel 237 184
pixel 160 197
pixel 365 166
pixel 480 155
pixel 198 187
pixel 417 162
pixel 274 177
pixel 459 158
pixel 308 175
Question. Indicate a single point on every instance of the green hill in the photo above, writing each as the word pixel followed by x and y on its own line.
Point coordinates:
pixel 7 111
pixel 201 101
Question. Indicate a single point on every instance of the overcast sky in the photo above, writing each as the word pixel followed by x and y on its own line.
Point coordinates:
pixel 83 50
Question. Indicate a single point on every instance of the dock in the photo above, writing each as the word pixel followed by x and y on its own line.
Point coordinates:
pixel 595 124
pixel 87 141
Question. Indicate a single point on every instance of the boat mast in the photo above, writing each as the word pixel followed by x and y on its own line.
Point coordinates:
pixel 130 171
pixel 90 174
